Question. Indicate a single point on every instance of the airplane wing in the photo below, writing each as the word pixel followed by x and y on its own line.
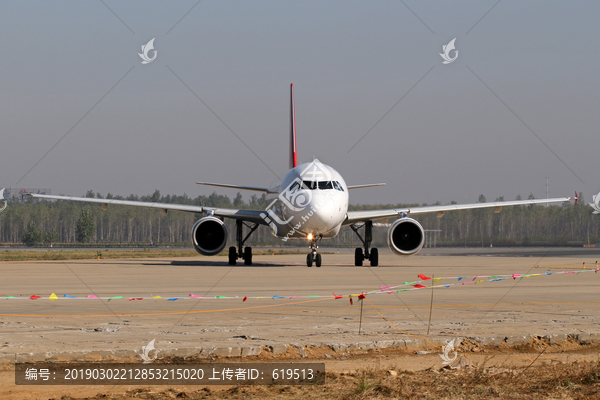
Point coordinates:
pixel 365 186
pixel 246 215
pixel 370 215
pixel 252 188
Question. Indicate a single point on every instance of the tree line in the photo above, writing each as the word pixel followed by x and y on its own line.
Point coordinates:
pixel 40 222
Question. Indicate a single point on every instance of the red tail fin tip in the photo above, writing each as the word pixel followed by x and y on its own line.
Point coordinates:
pixel 293 154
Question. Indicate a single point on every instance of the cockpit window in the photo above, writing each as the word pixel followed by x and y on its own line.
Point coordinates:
pixel 295 186
pixel 309 185
pixel 325 185
pixel 322 185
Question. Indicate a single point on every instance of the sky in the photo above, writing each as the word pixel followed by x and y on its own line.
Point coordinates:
pixel 79 111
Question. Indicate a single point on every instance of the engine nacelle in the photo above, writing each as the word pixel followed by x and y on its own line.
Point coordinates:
pixel 406 237
pixel 209 236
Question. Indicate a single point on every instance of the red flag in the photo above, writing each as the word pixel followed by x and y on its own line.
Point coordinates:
pixel 337 297
pixel 34 297
pixel 423 277
pixel 419 286
pixel 245 298
pixel 361 296
pixel 351 301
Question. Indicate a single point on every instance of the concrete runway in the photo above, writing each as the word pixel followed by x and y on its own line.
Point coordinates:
pixel 545 305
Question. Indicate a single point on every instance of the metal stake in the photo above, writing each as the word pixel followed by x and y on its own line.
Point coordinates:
pixel 430 305
pixel 360 323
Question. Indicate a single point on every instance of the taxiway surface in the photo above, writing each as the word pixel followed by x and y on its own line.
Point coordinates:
pixel 542 305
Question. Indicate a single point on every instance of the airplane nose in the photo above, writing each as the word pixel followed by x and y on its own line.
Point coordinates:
pixel 320 215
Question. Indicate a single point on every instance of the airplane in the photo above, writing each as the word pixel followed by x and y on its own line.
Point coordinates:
pixel 311 203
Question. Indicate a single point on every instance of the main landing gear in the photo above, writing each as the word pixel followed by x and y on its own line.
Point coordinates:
pixel 241 252
pixel 373 254
pixel 313 256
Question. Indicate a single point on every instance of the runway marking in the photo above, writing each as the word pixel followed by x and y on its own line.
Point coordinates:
pixel 281 305
pixel 475 304
pixel 157 313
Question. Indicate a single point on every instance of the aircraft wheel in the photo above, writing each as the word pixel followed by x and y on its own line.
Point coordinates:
pixel 248 256
pixel 374 257
pixel 318 261
pixel 358 257
pixel 309 260
pixel 232 255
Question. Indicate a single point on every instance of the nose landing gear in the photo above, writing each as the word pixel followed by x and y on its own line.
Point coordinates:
pixel 314 256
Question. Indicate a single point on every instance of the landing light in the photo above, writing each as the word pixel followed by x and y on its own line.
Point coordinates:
pixel 310 236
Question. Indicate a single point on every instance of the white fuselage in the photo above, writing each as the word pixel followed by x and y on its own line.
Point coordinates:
pixel 311 202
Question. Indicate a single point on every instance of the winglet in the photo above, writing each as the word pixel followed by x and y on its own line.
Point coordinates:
pixel 293 154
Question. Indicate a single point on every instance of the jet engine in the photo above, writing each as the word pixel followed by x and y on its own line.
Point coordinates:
pixel 209 236
pixel 406 237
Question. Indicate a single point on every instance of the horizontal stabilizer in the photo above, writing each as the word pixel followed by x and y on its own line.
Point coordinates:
pixel 253 188
pixel 366 186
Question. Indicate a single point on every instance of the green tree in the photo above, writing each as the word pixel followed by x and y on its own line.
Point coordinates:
pixel 85 226
pixel 51 237
pixel 32 235
pixel 238 201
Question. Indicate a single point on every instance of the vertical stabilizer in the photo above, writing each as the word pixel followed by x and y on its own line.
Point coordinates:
pixel 293 157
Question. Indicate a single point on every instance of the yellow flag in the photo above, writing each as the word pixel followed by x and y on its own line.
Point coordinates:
pixel 53 296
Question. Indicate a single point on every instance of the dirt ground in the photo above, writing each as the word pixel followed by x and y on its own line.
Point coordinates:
pixel 537 370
